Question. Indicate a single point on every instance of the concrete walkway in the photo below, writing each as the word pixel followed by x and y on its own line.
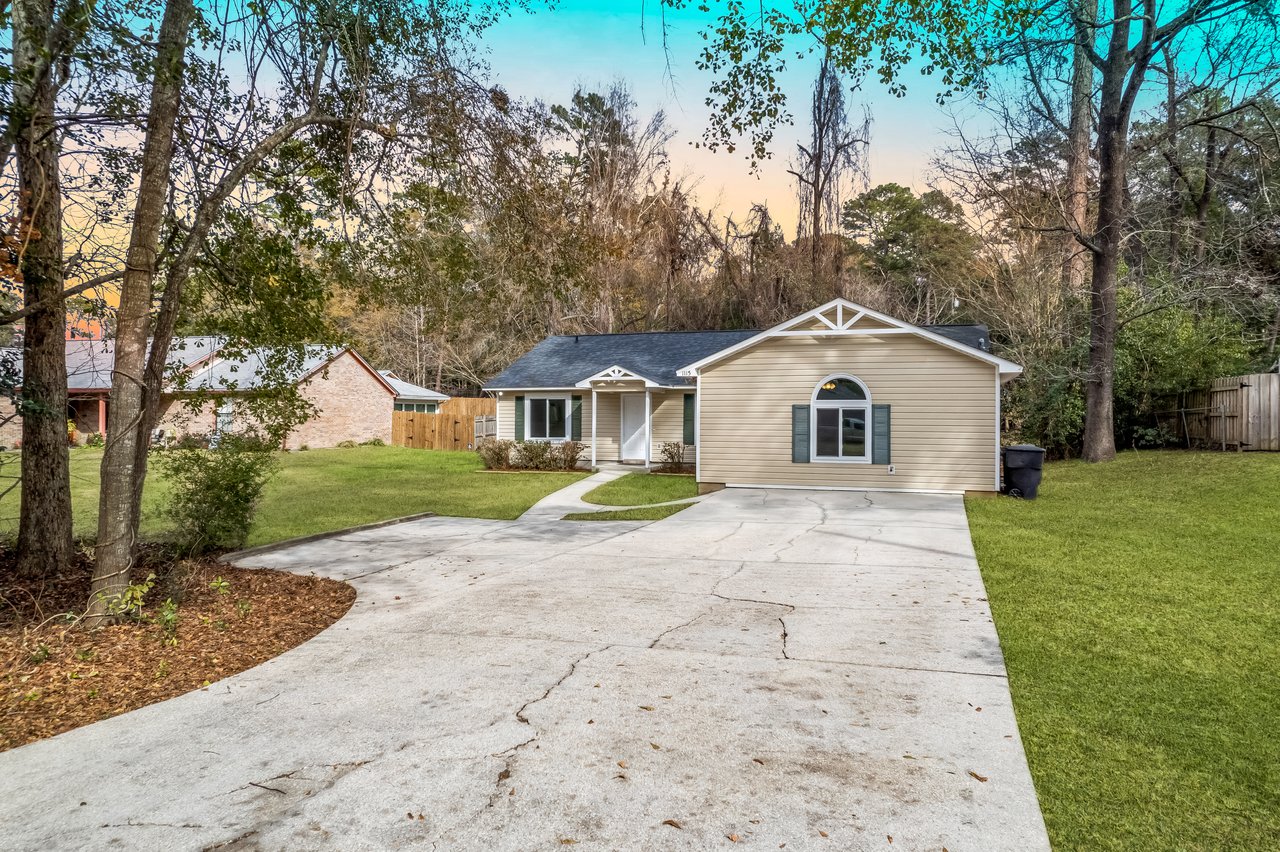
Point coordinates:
pixel 812 669
pixel 556 505
pixel 569 500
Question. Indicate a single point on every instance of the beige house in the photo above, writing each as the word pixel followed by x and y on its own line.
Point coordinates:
pixel 352 401
pixel 839 397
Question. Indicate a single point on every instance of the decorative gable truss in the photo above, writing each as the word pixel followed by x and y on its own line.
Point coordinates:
pixel 842 318
pixel 616 374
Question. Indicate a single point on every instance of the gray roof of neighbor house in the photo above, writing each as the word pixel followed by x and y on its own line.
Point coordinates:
pixel 254 368
pixel 89 364
pixel 409 391
pixel 564 360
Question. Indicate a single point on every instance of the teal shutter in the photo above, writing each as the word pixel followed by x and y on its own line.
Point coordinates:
pixel 689 436
pixel 519 430
pixel 576 420
pixel 880 444
pixel 799 434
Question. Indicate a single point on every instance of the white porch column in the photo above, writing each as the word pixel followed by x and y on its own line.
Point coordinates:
pixel 593 425
pixel 648 428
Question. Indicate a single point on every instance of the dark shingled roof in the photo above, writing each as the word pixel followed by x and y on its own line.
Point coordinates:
pixel 974 336
pixel 564 360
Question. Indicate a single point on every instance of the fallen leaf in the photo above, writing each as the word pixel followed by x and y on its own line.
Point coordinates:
pixel 822 833
pixel 645 707
pixel 421 818
pixel 673 824
pixel 655 746
pixel 977 709
pixel 567 841
pixel 409 815
pixel 981 778
pixel 733 838
pixel 757 760
pixel 591 721
pixel 890 836
pixel 622 764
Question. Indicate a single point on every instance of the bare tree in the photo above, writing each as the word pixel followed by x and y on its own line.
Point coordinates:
pixel 823 168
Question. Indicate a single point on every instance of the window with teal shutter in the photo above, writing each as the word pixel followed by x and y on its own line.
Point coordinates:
pixel 880 440
pixel 800 434
pixel 575 421
pixel 689 436
pixel 519 419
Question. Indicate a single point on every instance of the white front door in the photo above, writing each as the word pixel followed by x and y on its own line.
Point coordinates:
pixel 632 427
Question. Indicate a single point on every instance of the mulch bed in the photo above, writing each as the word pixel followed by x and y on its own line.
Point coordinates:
pixel 56 675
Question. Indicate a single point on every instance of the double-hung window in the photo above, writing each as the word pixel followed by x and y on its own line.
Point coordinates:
pixel 841 417
pixel 547 418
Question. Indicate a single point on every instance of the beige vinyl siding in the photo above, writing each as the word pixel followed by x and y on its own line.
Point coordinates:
pixel 943 431
pixel 668 421
pixel 667 413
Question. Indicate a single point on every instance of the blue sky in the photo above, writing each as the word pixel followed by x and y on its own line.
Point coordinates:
pixel 592 42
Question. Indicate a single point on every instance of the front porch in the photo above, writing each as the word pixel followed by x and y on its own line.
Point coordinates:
pixel 620 417
pixel 641 413
pixel 89 414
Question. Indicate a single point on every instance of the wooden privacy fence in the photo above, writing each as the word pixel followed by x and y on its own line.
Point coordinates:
pixel 451 428
pixel 1238 412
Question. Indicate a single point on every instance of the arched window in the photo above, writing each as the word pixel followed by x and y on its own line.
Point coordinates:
pixel 841 420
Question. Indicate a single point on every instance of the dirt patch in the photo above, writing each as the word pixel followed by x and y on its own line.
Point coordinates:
pixel 55 676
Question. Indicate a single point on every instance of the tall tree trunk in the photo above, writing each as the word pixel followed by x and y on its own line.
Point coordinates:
pixel 1175 187
pixel 1115 108
pixel 44 530
pixel 118 510
pixel 1075 261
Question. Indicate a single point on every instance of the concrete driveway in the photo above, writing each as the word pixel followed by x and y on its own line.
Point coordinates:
pixel 814 669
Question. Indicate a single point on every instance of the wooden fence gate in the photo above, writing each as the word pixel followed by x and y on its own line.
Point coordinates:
pixel 1238 412
pixel 452 427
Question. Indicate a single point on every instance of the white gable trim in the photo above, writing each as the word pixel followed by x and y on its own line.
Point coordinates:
pixel 616 374
pixel 847 314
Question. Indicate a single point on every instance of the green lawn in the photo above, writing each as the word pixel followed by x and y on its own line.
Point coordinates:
pixel 645 513
pixel 324 490
pixel 1138 605
pixel 637 489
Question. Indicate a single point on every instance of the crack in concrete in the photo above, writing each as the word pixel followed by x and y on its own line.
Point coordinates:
pixel 790 608
pixel 510 754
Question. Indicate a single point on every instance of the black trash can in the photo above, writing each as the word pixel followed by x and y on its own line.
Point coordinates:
pixel 1023 469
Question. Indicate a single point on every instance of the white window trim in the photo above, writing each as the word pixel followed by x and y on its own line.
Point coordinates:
pixel 568 417
pixel 816 404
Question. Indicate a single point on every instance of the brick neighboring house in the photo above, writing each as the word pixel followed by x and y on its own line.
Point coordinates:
pixel 353 401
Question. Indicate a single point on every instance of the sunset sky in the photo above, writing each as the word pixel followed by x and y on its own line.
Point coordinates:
pixel 593 42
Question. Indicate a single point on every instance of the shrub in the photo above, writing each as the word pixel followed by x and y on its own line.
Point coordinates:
pixel 673 454
pixel 95 439
pixel 213 493
pixel 535 455
pixel 373 442
pixel 568 453
pixel 73 436
pixel 495 454
pixel 346 445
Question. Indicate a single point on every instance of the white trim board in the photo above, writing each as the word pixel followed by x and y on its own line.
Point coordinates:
pixel 844 327
pixel 617 374
pixel 846 488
